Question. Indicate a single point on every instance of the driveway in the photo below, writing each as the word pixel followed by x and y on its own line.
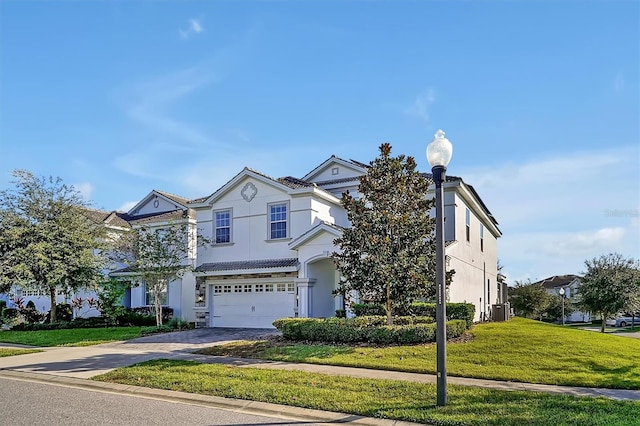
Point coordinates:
pixel 89 361
pixel 614 331
pixel 192 340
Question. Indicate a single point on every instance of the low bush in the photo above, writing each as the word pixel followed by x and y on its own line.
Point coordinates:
pixel 368 309
pixel 167 312
pixel 462 311
pixel 370 329
pixel 138 319
pixel 91 322
pixel 64 313
pixel 180 324
pixel 10 313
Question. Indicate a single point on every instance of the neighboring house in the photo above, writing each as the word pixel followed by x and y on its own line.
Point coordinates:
pixel 570 284
pixel 271 245
pixel 273 239
pixel 115 223
pixel 158 209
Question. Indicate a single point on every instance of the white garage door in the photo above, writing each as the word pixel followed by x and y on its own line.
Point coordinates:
pixel 254 305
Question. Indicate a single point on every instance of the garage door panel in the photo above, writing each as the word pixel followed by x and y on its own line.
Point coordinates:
pixel 251 310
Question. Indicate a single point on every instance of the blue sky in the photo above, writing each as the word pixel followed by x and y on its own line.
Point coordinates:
pixel 541 100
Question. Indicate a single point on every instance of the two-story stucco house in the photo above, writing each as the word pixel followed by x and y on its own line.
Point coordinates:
pixel 271 244
pixel 571 285
pixel 273 238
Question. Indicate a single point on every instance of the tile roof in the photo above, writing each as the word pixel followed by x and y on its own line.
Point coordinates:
pixel 336 181
pixel 557 281
pixel 107 217
pixel 448 178
pixel 247 264
pixel 294 183
pixel 358 163
pixel 158 217
pixel 126 270
pixel 176 198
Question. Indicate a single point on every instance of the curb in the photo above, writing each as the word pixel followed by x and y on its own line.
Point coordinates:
pixel 229 404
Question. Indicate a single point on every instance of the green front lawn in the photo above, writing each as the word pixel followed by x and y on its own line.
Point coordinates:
pixel 71 337
pixel 519 350
pixel 11 351
pixel 377 398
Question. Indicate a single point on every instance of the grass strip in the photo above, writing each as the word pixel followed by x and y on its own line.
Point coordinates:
pixel 388 399
pixel 14 351
pixel 71 337
pixel 518 350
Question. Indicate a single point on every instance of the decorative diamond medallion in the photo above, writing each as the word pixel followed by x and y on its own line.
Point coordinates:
pixel 249 191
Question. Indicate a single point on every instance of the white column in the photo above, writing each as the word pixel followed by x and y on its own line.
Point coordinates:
pixel 305 300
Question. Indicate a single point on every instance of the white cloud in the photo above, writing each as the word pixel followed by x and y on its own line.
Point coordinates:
pixel 557 212
pixel 85 189
pixel 127 206
pixel 539 255
pixel 575 185
pixel 422 104
pixel 194 27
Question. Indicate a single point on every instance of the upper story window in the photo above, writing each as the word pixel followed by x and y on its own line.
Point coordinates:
pixel 278 220
pixel 481 237
pixel 223 226
pixel 468 227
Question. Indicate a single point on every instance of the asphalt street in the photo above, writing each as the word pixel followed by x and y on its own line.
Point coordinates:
pixel 31 403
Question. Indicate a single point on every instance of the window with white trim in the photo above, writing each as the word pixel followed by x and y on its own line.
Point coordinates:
pixel 282 287
pixel 278 221
pixel 217 289
pixel 149 296
pixel 31 292
pixel 468 222
pixel 259 288
pixel 237 288
pixel 223 226
pixel 268 287
pixel 481 237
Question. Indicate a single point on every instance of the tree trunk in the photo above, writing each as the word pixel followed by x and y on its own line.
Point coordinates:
pixel 604 323
pixel 388 306
pixel 158 306
pixel 54 308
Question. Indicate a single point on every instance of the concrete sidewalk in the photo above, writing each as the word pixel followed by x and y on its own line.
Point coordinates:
pixel 86 362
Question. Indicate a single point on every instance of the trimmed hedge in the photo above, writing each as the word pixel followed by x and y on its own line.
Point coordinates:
pixel 462 311
pixel 10 313
pixel 364 329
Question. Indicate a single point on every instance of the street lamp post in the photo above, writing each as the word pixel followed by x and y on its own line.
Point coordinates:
pixel 562 295
pixel 439 153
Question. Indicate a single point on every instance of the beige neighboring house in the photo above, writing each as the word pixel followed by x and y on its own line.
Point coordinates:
pixel 570 284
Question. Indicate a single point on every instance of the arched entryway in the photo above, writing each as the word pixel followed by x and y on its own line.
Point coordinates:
pixel 315 291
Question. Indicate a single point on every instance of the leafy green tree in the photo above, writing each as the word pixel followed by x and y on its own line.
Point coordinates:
pixel 110 297
pixel 554 308
pixel 529 300
pixel 632 304
pixel 46 241
pixel 609 285
pixel 159 253
pixel 388 253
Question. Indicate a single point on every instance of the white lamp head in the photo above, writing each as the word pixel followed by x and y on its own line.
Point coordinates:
pixel 440 150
